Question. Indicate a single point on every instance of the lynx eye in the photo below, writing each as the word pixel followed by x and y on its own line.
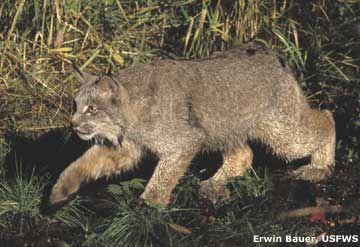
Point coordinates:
pixel 91 109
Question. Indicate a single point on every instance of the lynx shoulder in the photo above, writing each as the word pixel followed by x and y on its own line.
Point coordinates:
pixel 177 108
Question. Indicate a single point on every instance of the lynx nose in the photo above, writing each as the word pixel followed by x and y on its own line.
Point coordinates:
pixel 75 124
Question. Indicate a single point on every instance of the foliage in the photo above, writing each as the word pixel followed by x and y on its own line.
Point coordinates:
pixel 21 198
pixel 131 225
pixel 4 149
pixel 20 203
pixel 40 40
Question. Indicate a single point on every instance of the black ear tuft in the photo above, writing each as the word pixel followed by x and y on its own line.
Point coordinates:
pixel 83 77
pixel 78 73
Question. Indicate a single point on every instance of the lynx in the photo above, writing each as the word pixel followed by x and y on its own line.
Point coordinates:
pixel 175 108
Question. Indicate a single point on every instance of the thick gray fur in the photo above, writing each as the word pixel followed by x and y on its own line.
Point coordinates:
pixel 177 108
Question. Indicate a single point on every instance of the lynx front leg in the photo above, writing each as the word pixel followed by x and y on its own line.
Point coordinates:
pixel 166 176
pixel 235 164
pixel 97 162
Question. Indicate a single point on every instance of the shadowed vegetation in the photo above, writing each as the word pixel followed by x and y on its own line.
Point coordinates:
pixel 40 39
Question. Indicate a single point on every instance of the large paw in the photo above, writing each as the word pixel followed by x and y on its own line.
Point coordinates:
pixel 156 200
pixel 62 191
pixel 311 173
pixel 214 191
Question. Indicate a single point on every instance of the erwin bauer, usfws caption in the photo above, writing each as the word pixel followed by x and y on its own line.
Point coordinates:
pixel 306 239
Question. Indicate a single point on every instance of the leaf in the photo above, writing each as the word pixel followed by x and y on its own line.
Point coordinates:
pixel 115 189
pixel 118 58
pixel 318 216
pixel 180 229
pixel 137 183
pixel 62 49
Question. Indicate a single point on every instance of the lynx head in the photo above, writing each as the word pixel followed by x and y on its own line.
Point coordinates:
pixel 100 104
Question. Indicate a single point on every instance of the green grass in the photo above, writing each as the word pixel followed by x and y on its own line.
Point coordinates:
pixel 4 149
pixel 39 39
pixel 20 198
pixel 182 224
pixel 249 212
pixel 20 206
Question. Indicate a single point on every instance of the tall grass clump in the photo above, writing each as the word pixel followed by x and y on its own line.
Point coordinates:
pixel 131 224
pixel 251 186
pixel 20 199
pixel 4 149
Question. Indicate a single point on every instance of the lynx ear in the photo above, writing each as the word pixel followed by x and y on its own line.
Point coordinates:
pixel 110 87
pixel 122 94
pixel 83 77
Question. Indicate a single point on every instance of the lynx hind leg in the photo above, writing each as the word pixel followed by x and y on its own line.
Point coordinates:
pixel 97 162
pixel 236 163
pixel 312 135
pixel 323 157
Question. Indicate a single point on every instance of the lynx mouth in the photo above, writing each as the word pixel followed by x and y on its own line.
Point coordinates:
pixel 83 131
pixel 85 135
pixel 107 141
pixel 99 138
